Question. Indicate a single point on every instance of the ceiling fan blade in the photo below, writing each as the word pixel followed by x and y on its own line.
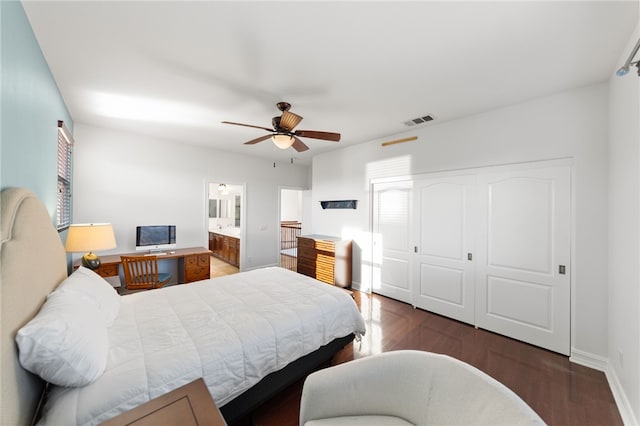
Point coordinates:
pixel 327 136
pixel 248 125
pixel 256 140
pixel 289 120
pixel 298 145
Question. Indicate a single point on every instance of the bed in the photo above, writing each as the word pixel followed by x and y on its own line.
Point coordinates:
pixel 248 335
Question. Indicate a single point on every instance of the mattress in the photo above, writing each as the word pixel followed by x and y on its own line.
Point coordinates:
pixel 231 331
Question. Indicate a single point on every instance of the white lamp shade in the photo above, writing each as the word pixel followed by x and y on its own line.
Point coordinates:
pixel 88 237
pixel 282 141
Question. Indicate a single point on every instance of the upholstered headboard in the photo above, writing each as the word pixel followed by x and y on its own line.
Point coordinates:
pixel 33 263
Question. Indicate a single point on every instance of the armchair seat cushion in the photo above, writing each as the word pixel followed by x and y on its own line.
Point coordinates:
pixel 360 421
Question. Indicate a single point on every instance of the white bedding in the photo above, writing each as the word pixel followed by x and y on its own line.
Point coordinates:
pixel 232 331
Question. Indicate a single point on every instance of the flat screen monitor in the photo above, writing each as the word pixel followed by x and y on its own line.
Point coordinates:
pixel 155 237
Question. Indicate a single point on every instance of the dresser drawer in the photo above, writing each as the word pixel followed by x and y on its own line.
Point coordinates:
pixel 322 245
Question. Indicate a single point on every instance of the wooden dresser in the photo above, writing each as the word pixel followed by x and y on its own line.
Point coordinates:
pixel 325 258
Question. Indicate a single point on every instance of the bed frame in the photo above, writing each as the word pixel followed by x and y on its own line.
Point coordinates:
pixel 32 263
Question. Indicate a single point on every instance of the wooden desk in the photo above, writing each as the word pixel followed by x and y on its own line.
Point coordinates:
pixel 188 405
pixel 195 263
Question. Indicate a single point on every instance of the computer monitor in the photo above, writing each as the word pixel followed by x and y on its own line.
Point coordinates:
pixel 155 237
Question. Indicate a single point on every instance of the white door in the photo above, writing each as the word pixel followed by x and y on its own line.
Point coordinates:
pixel 392 249
pixel 443 272
pixel 522 266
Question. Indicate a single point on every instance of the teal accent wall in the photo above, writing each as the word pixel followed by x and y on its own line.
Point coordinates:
pixel 30 108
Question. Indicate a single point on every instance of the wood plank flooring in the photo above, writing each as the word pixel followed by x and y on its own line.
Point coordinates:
pixel 562 393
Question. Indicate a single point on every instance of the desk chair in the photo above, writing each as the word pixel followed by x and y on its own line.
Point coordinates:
pixel 141 273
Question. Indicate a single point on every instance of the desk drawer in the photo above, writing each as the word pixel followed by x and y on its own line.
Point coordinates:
pixel 197 267
pixel 107 270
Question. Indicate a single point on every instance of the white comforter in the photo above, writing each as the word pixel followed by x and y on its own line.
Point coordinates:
pixel 232 331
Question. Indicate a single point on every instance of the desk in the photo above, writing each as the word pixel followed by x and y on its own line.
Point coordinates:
pixel 195 263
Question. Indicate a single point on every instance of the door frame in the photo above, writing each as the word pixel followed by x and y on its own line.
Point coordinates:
pixel 243 214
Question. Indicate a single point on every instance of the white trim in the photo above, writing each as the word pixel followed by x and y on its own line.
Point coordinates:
pixel 590 360
pixel 624 406
pixel 600 363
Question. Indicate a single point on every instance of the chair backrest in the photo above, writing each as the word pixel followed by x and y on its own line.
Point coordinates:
pixel 140 272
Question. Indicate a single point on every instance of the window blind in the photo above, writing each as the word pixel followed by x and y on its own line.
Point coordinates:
pixel 65 145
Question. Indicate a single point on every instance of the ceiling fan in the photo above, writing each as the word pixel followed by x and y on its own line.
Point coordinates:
pixel 282 133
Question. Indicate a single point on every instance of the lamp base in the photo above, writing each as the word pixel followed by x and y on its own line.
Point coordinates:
pixel 91 261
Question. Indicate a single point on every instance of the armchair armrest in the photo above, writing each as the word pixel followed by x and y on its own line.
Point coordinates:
pixel 378 385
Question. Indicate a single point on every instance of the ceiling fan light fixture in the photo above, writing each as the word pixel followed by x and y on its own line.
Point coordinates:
pixel 282 141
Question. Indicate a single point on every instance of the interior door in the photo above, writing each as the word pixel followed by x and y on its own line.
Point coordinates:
pixel 443 272
pixel 392 245
pixel 522 268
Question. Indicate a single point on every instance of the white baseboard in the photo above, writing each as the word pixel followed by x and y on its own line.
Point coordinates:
pixel 602 364
pixel 356 286
pixel 590 360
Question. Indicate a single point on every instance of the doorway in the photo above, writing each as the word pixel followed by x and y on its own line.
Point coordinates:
pixel 290 227
pixel 224 220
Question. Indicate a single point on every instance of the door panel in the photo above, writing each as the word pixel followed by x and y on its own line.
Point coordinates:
pixel 392 240
pixel 524 222
pixel 443 276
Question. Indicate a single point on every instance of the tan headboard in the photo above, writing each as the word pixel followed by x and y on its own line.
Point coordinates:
pixel 33 263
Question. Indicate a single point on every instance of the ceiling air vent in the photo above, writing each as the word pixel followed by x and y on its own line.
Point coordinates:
pixel 419 120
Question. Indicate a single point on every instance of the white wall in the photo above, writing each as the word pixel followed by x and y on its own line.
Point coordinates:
pixel 624 239
pixel 569 124
pixel 130 180
pixel 291 205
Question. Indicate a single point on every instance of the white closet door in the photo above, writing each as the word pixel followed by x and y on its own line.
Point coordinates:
pixel 522 267
pixel 443 272
pixel 392 240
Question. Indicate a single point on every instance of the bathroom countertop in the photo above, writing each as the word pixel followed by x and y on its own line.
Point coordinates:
pixel 228 231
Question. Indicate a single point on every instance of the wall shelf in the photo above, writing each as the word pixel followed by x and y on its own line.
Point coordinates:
pixel 339 204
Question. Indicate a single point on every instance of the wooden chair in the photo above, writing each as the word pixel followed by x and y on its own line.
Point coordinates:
pixel 141 273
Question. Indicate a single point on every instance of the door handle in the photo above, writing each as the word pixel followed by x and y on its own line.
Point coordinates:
pixel 562 269
pixel 469 256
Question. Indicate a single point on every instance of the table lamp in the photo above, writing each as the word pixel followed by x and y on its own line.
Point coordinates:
pixel 87 237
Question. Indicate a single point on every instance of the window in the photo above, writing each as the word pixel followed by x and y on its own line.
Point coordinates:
pixel 65 144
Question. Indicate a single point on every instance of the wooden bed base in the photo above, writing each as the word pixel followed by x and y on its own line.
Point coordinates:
pixel 246 403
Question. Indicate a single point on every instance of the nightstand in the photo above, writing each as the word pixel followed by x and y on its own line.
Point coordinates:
pixel 188 405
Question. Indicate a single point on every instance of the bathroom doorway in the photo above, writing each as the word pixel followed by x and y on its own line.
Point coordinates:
pixel 290 226
pixel 224 218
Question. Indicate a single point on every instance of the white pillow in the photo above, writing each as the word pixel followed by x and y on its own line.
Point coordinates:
pixel 66 343
pixel 86 283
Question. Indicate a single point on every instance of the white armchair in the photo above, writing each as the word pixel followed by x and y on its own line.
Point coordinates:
pixel 409 388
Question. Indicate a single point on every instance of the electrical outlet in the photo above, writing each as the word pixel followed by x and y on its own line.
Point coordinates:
pixel 621 358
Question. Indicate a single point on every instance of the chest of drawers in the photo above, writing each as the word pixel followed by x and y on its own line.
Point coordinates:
pixel 325 258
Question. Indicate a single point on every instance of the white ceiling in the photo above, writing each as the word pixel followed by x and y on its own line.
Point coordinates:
pixel 176 69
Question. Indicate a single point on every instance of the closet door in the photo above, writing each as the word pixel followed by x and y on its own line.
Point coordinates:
pixel 392 249
pixel 522 267
pixel 443 272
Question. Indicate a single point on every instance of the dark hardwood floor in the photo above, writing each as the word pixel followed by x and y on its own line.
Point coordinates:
pixel 562 393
